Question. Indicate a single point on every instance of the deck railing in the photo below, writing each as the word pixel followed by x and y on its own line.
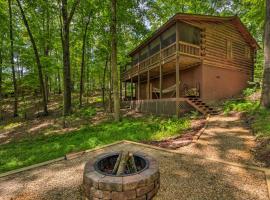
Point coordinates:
pixel 185 48
pixel 158 106
pixel 189 49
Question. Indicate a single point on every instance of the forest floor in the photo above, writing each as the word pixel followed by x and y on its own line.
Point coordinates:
pixel 42 138
pixel 36 138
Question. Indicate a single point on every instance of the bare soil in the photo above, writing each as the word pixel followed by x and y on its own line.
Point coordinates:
pixel 31 122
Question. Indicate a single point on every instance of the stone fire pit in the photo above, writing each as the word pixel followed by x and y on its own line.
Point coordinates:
pixel 99 181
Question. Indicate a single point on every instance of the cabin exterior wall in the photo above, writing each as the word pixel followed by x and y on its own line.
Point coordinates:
pixel 225 72
pixel 222 83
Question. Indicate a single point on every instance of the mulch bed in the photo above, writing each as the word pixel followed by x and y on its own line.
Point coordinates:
pixel 183 140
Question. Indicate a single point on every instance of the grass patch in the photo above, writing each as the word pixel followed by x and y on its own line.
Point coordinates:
pixel 260 117
pixel 35 150
pixel 241 105
pixel 260 123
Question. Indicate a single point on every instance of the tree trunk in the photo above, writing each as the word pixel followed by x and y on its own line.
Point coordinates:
pixel 41 82
pixel 1 71
pixel 265 98
pixel 59 81
pixel 83 58
pixel 66 54
pixel 66 61
pixel 116 99
pixel 103 82
pixel 15 111
pixel 110 90
pixel 47 49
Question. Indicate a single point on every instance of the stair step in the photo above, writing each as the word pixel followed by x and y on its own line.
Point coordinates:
pixel 199 105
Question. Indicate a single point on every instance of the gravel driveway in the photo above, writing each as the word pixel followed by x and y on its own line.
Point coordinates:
pixel 182 177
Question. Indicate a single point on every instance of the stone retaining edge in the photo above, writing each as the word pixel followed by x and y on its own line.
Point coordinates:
pixel 15 171
pixel 201 131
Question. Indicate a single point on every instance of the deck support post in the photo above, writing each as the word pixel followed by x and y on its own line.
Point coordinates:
pixel 177 73
pixel 148 84
pixel 138 90
pixel 160 81
pixel 131 81
pixel 121 91
pixel 125 88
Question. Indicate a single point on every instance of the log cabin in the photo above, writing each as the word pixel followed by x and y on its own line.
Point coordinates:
pixel 191 61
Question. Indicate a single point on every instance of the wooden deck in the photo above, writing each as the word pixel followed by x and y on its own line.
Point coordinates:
pixel 190 55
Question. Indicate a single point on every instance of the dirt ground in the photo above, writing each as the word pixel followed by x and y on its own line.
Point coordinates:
pixel 31 122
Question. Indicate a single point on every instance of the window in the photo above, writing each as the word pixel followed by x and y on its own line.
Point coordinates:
pixel 229 53
pixel 247 52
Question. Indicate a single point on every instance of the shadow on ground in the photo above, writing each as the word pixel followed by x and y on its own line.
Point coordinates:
pixel 182 177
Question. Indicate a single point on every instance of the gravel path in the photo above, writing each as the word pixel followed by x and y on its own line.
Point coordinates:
pixel 226 138
pixel 182 177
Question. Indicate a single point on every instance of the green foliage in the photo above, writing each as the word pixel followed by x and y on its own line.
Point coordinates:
pixel 86 112
pixel 253 88
pixel 35 150
pixel 240 106
pixel 260 123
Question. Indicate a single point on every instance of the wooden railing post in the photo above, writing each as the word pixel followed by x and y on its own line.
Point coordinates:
pixel 139 85
pixel 177 68
pixel 131 81
pixel 148 84
pixel 125 95
pixel 160 81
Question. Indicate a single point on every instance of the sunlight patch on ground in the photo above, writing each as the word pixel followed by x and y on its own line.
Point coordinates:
pixel 11 126
pixel 40 126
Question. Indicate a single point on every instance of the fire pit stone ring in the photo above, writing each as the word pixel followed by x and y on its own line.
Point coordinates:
pixel 98 184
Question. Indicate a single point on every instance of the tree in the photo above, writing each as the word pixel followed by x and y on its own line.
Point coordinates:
pixel 83 59
pixel 41 81
pixel 265 98
pixel 1 79
pixel 15 110
pixel 116 99
pixel 65 26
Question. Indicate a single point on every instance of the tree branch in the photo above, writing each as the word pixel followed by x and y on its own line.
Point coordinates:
pixel 74 6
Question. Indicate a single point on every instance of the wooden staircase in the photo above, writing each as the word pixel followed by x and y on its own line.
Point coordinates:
pixel 202 107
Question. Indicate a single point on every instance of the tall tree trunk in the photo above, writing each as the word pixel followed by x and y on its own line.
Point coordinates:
pixel 66 61
pixel 47 49
pixel 114 62
pixel 15 111
pixel 40 75
pixel 66 54
pixel 104 81
pixel 265 98
pixel 1 71
pixel 110 82
pixel 83 58
pixel 59 81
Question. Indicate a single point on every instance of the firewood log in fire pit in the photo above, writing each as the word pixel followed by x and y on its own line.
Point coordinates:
pixel 125 163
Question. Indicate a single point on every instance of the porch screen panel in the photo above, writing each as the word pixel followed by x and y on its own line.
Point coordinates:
pixel 144 54
pixel 168 37
pixel 189 33
pixel 154 46
pixel 135 59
